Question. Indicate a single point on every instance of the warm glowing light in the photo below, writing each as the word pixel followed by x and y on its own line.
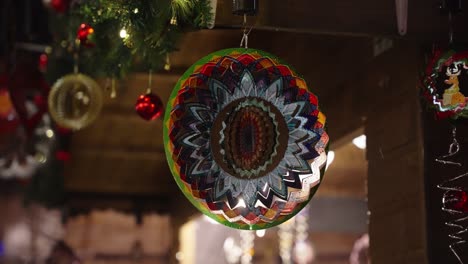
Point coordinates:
pixel 260 233
pixel 49 133
pixel 360 141
pixel 135 11
pixel 229 243
pixel 179 256
pixel 330 158
pixel 40 157
pixel 123 33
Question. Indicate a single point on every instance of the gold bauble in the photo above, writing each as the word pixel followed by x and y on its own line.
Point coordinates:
pixel 75 101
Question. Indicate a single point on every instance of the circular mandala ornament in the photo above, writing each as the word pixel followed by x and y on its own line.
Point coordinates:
pixel 75 101
pixel 446 83
pixel 245 139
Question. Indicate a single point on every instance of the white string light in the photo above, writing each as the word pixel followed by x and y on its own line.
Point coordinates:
pixel 123 33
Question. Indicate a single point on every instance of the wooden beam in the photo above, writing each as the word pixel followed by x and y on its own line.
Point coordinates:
pixel 84 202
pixel 347 18
pixel 118 171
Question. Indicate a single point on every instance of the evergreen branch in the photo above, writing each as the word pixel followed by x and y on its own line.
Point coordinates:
pixel 151 34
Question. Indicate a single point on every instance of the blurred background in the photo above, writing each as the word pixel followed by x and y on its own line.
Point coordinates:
pixel 104 193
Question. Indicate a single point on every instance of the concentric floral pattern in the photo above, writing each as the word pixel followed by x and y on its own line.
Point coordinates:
pixel 244 138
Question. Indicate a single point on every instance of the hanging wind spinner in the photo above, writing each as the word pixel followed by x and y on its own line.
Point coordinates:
pixel 245 139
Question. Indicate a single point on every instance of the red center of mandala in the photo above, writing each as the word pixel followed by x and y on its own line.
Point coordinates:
pixel 248 144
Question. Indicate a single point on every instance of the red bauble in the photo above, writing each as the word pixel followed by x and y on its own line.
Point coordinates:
pixel 43 62
pixel 62 155
pixel 149 106
pixel 59 6
pixel 456 201
pixel 84 33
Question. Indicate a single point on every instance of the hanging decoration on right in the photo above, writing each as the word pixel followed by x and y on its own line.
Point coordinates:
pixel 446 83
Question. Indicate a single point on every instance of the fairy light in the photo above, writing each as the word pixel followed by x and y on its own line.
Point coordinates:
pixel 49 133
pixel 173 21
pixel 260 233
pixel 123 33
pixel 232 251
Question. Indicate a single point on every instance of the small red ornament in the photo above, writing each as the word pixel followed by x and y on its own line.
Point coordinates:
pixel 59 6
pixel 43 62
pixel 83 35
pixel 456 200
pixel 62 155
pixel 149 106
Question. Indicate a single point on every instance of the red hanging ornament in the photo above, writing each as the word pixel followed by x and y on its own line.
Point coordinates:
pixel 456 200
pixel 63 155
pixel 149 106
pixel 59 6
pixel 43 62
pixel 84 35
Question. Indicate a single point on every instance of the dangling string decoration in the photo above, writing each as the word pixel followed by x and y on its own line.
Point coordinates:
pixel 113 89
pixel 454 199
pixel 167 65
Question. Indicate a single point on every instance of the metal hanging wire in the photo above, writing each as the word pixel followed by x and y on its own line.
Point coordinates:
pixel 150 81
pixel 245 35
pixel 451 8
pixel 450 19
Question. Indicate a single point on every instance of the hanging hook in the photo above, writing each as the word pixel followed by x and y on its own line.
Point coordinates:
pixel 450 27
pixel 76 55
pixel 450 8
pixel 113 89
pixel 75 63
pixel 245 35
pixel 150 80
pixel 245 8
